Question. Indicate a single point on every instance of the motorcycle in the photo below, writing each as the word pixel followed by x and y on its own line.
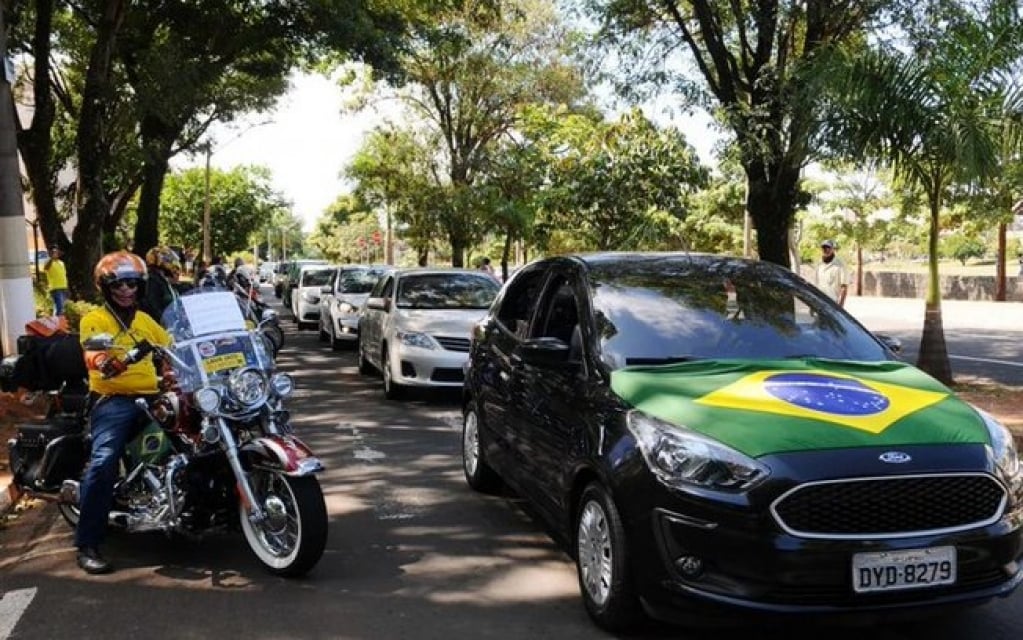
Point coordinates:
pixel 217 452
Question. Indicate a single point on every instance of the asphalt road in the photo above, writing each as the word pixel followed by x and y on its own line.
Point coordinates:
pixel 984 339
pixel 412 553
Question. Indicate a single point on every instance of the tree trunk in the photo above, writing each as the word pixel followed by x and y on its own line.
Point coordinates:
pixel 1000 266
pixel 933 355
pixel 506 255
pixel 147 231
pixel 771 199
pixel 859 269
pixel 93 149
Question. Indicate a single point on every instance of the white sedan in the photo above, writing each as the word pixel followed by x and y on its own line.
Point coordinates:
pixel 305 296
pixel 416 323
pixel 341 303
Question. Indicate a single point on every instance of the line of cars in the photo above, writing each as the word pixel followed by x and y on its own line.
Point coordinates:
pixel 709 435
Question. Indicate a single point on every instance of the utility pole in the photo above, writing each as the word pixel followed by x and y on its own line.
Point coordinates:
pixel 206 254
pixel 17 304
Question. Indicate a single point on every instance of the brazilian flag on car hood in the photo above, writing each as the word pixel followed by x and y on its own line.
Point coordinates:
pixel 761 407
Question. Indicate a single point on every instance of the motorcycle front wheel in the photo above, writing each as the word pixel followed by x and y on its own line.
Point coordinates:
pixel 291 538
pixel 70 513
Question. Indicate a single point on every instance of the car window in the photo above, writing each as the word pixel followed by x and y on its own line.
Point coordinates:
pixel 383 288
pixel 358 280
pixel 662 315
pixel 519 301
pixel 317 278
pixel 558 312
pixel 446 291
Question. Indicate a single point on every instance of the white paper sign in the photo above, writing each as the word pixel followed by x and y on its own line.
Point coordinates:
pixel 215 312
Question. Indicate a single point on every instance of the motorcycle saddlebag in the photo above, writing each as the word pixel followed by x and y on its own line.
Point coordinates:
pixel 44 455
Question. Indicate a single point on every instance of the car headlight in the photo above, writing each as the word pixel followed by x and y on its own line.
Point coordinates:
pixel 248 387
pixel 283 384
pixel 345 307
pixel 1003 446
pixel 208 399
pixel 416 339
pixel 681 458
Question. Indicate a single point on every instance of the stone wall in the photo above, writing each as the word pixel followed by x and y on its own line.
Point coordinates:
pixel 914 285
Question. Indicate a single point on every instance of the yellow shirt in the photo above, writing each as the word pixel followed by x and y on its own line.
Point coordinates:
pixel 139 378
pixel 56 275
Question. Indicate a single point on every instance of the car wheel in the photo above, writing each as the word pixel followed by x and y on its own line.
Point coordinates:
pixel 365 368
pixel 602 562
pixel 335 344
pixel 480 476
pixel 392 390
pixel 324 336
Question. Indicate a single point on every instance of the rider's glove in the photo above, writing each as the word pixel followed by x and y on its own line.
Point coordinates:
pixel 112 367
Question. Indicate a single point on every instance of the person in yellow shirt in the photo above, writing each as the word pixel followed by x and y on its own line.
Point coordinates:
pixel 56 280
pixel 115 419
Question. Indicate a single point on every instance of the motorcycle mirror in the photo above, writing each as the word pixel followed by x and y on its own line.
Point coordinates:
pixel 268 315
pixel 99 342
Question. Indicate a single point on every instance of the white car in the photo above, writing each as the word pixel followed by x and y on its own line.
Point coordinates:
pixel 341 303
pixel 416 324
pixel 305 297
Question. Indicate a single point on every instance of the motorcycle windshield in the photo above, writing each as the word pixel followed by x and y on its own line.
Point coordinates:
pixel 211 338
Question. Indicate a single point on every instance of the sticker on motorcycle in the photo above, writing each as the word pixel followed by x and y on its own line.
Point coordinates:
pixel 222 362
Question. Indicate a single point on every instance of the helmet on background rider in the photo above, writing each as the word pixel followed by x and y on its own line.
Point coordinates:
pixel 164 259
pixel 117 266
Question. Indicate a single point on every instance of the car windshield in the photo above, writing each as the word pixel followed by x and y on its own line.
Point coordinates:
pixel 661 312
pixel 316 278
pixel 358 280
pixel 446 291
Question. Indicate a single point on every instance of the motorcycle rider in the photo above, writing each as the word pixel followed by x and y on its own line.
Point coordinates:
pixel 115 419
pixel 162 287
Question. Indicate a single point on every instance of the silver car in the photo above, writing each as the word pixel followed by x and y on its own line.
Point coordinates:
pixel 342 300
pixel 416 323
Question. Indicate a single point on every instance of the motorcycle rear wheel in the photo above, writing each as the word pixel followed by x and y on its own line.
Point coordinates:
pixel 291 539
pixel 70 513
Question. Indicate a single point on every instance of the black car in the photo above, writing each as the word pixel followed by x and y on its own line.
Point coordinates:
pixel 710 435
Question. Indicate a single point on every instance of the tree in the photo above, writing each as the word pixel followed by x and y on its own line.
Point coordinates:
pixel 938 116
pixel 471 73
pixel 242 203
pixel 756 60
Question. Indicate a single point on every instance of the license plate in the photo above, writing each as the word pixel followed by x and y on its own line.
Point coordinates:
pixel 225 361
pixel 909 569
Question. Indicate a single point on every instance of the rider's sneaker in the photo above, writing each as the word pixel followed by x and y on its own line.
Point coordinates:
pixel 90 560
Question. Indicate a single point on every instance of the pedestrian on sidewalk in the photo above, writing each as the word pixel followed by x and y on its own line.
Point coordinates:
pixel 832 277
pixel 56 280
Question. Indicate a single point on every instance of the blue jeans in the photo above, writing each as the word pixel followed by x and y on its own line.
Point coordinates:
pixel 59 298
pixel 115 421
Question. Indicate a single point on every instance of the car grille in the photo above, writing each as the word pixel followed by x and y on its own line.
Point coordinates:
pixel 447 375
pixel 453 344
pixel 890 507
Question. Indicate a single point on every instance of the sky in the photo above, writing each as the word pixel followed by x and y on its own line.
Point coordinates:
pixel 307 142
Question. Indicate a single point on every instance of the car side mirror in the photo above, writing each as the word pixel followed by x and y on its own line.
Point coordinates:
pixel 382 304
pixel 894 344
pixel 546 352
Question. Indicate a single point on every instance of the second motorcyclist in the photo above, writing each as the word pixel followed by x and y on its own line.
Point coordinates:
pixel 121 277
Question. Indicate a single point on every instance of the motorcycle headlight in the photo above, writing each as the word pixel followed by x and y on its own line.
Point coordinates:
pixel 1003 447
pixel 683 459
pixel 208 399
pixel 416 339
pixel 283 384
pixel 248 387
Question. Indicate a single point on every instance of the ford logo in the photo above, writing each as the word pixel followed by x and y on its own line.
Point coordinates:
pixel 895 457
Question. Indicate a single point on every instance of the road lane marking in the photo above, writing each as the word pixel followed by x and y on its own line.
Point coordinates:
pixel 12 606
pixel 1007 363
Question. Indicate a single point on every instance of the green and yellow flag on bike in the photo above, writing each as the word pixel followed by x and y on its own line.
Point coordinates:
pixel 762 407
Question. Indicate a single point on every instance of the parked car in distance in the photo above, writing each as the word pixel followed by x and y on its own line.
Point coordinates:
pixel 415 326
pixel 266 271
pixel 341 302
pixel 305 295
pixel 713 435
pixel 291 275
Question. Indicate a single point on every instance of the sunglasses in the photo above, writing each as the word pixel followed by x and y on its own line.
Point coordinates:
pixel 124 284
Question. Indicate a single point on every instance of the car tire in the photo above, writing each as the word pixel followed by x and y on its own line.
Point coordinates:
pixel 335 344
pixel 324 336
pixel 478 474
pixel 365 368
pixel 602 563
pixel 392 390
